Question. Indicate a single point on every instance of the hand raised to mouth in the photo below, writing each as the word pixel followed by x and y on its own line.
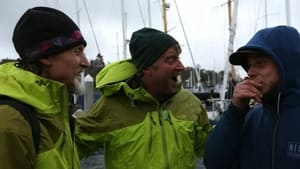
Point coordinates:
pixel 245 91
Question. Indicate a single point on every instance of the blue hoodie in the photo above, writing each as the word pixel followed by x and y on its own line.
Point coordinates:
pixel 267 136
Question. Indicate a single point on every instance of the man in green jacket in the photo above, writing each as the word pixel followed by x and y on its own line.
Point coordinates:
pixel 145 119
pixel 50 47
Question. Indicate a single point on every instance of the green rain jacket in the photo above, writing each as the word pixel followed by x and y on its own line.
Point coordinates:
pixel 50 101
pixel 137 131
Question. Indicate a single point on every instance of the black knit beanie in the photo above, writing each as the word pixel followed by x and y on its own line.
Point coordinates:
pixel 147 45
pixel 43 31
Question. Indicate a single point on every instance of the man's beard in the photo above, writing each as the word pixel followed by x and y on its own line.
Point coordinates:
pixel 271 96
pixel 78 87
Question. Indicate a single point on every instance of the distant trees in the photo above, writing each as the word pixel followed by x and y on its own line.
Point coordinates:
pixel 7 60
pixel 208 78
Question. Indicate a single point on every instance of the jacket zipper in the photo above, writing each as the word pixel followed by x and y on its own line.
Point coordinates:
pixel 174 130
pixel 152 122
pixel 164 142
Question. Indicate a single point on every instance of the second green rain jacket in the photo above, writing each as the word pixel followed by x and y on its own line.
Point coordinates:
pixel 137 131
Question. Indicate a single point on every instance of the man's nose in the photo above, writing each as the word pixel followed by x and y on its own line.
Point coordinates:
pixel 180 66
pixel 251 72
pixel 84 62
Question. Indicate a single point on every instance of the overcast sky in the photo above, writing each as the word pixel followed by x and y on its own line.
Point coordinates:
pixel 204 21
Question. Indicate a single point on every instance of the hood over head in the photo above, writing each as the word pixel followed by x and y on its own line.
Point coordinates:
pixel 282 44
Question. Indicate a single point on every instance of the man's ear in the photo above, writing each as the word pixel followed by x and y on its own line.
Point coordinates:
pixel 46 61
pixel 147 71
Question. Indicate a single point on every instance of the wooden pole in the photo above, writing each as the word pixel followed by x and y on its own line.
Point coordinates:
pixel 164 12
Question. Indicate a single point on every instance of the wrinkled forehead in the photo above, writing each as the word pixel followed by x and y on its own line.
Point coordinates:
pixel 172 50
pixel 176 47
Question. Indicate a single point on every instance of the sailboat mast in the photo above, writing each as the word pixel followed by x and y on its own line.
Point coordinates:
pixel 232 28
pixel 266 13
pixel 149 13
pixel 287 9
pixel 230 47
pixel 164 13
pixel 77 13
pixel 229 12
pixel 124 23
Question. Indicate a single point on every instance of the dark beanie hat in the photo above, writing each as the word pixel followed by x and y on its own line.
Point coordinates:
pixel 43 31
pixel 147 45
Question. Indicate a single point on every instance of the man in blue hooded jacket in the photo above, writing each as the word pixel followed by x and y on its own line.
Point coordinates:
pixel 266 136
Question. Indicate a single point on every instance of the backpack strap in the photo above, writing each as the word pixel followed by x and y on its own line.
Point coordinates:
pixel 28 113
